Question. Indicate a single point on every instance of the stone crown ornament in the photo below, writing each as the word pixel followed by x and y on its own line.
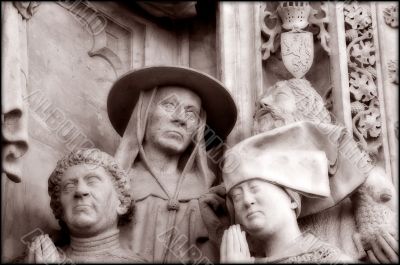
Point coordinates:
pixel 294 15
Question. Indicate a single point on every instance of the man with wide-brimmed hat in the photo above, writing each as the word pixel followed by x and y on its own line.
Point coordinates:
pixel 162 113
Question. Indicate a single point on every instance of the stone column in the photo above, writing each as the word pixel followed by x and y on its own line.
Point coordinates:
pixel 239 64
pixel 388 37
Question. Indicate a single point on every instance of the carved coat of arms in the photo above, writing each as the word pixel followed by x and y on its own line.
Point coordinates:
pixel 297 52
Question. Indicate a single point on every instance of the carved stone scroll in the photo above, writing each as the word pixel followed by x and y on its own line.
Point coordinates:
pixel 362 77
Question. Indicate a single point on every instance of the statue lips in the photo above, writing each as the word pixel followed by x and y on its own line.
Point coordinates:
pixel 82 207
pixel 175 134
pixel 253 214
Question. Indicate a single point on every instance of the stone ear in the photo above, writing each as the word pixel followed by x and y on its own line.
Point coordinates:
pixel 121 209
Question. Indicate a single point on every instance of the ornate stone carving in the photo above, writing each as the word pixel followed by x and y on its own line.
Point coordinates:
pixel 292 16
pixel 392 16
pixel 26 8
pixel 393 67
pixel 362 77
pixel 297 52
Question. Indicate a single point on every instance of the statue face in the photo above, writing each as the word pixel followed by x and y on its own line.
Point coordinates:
pixel 173 119
pixel 89 200
pixel 275 108
pixel 261 207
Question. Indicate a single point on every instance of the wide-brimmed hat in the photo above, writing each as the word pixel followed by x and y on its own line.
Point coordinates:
pixel 309 158
pixel 215 98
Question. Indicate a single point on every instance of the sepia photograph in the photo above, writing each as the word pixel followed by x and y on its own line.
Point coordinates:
pixel 199 132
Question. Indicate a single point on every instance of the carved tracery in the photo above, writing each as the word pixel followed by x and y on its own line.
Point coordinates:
pixel 293 16
pixel 362 77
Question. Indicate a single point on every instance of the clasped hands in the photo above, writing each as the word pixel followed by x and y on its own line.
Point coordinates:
pixel 234 247
pixel 42 250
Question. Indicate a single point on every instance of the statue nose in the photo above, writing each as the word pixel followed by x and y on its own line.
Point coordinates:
pixel 266 101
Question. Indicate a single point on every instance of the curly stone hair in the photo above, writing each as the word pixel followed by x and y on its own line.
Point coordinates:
pixel 96 157
pixel 310 105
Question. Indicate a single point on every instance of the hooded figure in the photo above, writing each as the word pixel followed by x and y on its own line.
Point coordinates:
pixel 153 109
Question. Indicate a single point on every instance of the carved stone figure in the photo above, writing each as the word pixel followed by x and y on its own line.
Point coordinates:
pixel 267 196
pixel 375 211
pixel 309 106
pixel 162 113
pixel 289 101
pixel 90 196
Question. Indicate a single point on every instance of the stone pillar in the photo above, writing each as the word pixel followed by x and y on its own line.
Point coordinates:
pixel 338 66
pixel 388 35
pixel 239 64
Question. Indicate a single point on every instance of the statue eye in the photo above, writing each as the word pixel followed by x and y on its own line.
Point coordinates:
pixel 236 196
pixel 169 106
pixel 281 96
pixel 254 188
pixel 190 116
pixel 92 180
pixel 68 186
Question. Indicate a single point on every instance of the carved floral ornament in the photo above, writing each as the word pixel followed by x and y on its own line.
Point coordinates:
pixel 294 16
pixel 391 16
pixel 362 77
pixel 393 67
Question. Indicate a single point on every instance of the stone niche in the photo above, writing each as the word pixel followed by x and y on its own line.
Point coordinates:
pixel 273 68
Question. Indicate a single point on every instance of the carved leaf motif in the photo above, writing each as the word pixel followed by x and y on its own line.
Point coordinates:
pixel 357 16
pixel 270 46
pixel 363 52
pixel 392 16
pixel 362 87
pixel 370 123
pixel 321 23
pixel 351 34
pixel 393 71
pixel 362 73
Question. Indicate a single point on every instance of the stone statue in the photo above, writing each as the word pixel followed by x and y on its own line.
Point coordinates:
pixel 277 179
pixel 90 196
pixel 296 100
pixel 163 114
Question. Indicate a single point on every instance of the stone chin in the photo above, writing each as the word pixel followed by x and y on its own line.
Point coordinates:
pixel 173 143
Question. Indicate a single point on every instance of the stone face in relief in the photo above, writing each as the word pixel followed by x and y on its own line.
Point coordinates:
pixel 90 196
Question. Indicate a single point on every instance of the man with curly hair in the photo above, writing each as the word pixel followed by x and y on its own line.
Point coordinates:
pixel 90 196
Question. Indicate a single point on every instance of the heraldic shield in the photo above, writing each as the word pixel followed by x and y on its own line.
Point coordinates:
pixel 297 50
